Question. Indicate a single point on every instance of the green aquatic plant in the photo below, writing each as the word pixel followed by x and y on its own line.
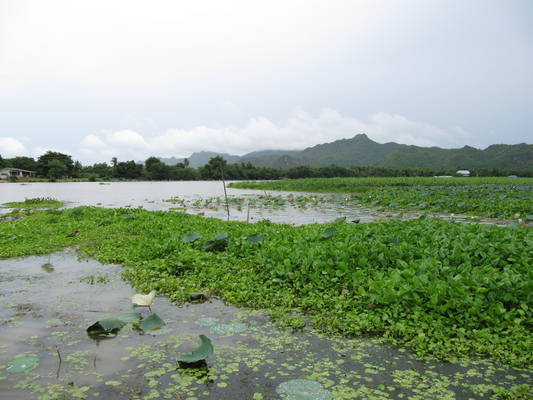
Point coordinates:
pixel 216 243
pixel 303 389
pixel 193 237
pixel 441 288
pixel 22 364
pixel 38 202
pixel 106 327
pixel 199 354
pixel 151 322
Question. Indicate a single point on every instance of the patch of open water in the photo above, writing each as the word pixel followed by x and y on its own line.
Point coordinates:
pixel 207 198
pixel 47 302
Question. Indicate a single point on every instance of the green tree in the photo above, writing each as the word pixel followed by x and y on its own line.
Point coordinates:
pixel 43 163
pixel 56 169
pixel 76 170
pixel 214 168
pixel 114 163
pixel 155 169
pixel 27 163
pixel 129 170
pixel 1 162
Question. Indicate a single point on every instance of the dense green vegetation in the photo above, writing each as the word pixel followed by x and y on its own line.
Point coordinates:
pixel 488 197
pixel 444 289
pixel 355 157
pixel 40 202
pixel 362 151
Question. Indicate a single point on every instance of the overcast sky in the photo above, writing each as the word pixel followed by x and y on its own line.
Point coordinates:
pixel 97 79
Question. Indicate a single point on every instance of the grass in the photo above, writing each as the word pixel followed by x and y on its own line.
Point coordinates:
pixel 444 289
pixel 505 198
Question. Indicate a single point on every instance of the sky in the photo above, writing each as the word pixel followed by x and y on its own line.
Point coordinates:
pixel 131 79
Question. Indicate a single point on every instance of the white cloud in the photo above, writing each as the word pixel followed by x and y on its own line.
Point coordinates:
pixel 10 147
pixel 128 139
pixel 93 142
pixel 299 131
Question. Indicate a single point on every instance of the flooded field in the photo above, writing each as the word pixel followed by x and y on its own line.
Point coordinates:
pixel 207 198
pixel 47 303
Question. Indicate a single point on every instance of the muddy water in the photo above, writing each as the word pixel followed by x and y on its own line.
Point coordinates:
pixel 46 304
pixel 192 197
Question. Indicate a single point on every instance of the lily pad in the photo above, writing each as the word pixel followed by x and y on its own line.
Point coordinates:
pixel 328 233
pixel 303 389
pixel 216 243
pixel 193 237
pixel 207 321
pixel 229 329
pixel 129 317
pixel 159 332
pixel 22 364
pixel 254 238
pixel 201 353
pixel 105 327
pixel 151 322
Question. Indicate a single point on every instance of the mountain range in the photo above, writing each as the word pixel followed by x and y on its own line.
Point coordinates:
pixel 363 151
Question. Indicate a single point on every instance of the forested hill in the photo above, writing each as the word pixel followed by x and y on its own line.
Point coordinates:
pixel 363 151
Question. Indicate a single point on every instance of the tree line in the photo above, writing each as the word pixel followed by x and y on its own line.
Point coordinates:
pixel 54 165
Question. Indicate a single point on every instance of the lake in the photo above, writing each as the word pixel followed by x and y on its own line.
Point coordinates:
pixel 195 197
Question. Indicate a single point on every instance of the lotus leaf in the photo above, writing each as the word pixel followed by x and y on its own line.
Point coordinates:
pixel 216 243
pixel 254 238
pixel 105 327
pixel 229 329
pixel 22 364
pixel 193 237
pixel 328 233
pixel 153 321
pixel 207 321
pixel 129 317
pixel 201 353
pixel 303 389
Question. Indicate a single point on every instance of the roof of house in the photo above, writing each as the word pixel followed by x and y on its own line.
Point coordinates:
pixel 16 169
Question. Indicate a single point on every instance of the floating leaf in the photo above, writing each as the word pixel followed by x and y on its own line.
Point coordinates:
pixel 201 353
pixel 143 300
pixel 254 238
pixel 207 321
pixel 153 321
pixel 303 389
pixel 339 220
pixel 159 332
pixel 105 327
pixel 193 237
pixel 216 243
pixel 129 317
pixel 229 329
pixel 22 364
pixel 328 233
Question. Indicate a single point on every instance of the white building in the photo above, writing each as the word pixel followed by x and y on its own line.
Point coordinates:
pixel 463 172
pixel 5 173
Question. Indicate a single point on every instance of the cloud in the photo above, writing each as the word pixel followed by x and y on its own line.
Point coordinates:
pixel 10 147
pixel 299 131
pixel 93 142
pixel 128 139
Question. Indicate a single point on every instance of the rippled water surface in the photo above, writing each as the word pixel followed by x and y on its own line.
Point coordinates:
pixel 152 196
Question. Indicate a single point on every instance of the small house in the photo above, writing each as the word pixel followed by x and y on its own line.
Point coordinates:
pixel 463 172
pixel 6 173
